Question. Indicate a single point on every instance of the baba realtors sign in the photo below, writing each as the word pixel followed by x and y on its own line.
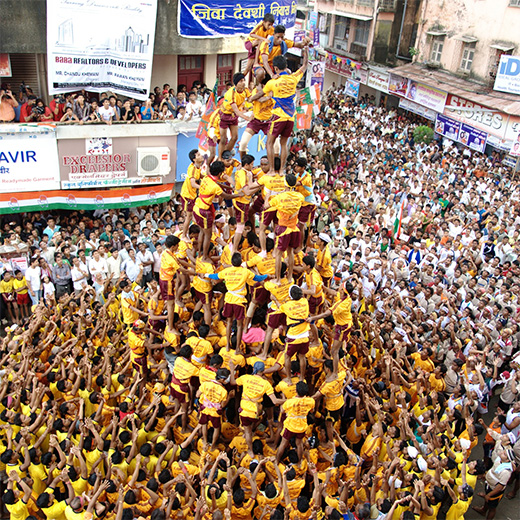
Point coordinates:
pixel 29 162
pixel 508 74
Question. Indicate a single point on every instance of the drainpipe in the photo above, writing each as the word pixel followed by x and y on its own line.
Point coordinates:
pixel 401 34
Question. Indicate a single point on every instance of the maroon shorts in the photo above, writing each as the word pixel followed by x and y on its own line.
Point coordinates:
pixel 288 434
pixel 326 280
pixel 166 287
pixel 304 215
pixel 296 348
pixel 341 332
pixel 251 51
pixel 315 304
pixel 204 298
pixel 204 218
pixel 247 421
pixel 284 242
pixel 205 419
pixel 175 394
pixel 23 299
pixel 276 319
pixel 241 212
pixel 257 125
pixel 281 128
pixel 212 142
pixel 260 295
pixel 232 310
pixel 228 120
pixel 268 217
pixel 258 204
pixel 157 325
pixel 187 204
pixel 140 364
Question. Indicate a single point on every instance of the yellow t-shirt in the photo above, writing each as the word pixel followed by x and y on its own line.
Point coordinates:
pixel 254 389
pixel 287 205
pixel 236 279
pixel 261 31
pixel 332 393
pixel 169 265
pixel 297 311
pixel 341 311
pixel 187 190
pixel 202 284
pixel 314 279
pixel 201 348
pixel 136 344
pixel 458 510
pixel 283 92
pixel 18 284
pixel 242 178
pixel 297 409
pixel 212 397
pixel 324 260
pixel 6 287
pixel 233 96
pixel 56 511
pixel 279 292
pixel 272 185
pixel 276 50
pixel 208 190
pixel 18 510
pixel 262 110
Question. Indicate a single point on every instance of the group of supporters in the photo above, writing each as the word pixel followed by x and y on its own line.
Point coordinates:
pixel 314 338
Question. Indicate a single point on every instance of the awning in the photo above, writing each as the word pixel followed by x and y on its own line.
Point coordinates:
pixel 355 16
pixel 502 47
pixel 467 39
pixel 436 33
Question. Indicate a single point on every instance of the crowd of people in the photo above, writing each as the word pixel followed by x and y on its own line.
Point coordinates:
pixel 329 333
pixel 106 108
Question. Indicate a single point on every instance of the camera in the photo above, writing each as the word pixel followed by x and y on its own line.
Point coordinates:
pixel 23 88
pixel 38 110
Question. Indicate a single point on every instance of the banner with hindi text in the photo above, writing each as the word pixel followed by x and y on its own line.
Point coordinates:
pixel 215 19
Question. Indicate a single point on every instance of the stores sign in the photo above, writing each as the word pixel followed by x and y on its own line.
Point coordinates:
pixel 28 162
pixel 508 74
pixel 378 80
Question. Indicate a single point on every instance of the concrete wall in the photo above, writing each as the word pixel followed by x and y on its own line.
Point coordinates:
pixel 490 21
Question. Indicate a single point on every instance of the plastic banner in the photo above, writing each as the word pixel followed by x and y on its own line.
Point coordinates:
pixel 215 19
pixel 100 46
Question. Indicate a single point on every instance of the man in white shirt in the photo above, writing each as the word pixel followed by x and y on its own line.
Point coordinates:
pixel 107 113
pixel 194 107
pixel 114 265
pixel 97 264
pixel 145 257
pixel 79 275
pixel 33 277
pixel 131 266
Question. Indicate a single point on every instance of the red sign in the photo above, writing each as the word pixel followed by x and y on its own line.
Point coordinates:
pixel 343 66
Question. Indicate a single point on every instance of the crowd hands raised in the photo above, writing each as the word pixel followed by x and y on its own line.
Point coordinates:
pixel 274 343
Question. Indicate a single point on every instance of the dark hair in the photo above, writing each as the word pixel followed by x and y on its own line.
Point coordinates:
pixel 216 168
pixel 247 159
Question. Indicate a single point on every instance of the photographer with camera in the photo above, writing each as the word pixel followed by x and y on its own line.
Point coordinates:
pixel 57 106
pixel 7 105
pixel 40 112
pixel 26 113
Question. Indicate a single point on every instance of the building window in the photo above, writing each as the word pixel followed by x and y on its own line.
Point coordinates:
pixel 495 61
pixel 514 3
pixel 341 32
pixel 361 33
pixel 467 56
pixel 324 22
pixel 437 46
pixel 367 3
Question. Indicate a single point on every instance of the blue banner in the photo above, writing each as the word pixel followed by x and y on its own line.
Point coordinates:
pixel 447 127
pixel 185 143
pixel 215 19
pixel 352 88
pixel 473 138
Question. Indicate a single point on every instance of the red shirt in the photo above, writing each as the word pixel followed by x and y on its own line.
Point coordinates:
pixel 52 107
pixel 25 112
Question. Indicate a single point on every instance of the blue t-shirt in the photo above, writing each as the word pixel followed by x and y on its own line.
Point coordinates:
pixel 146 113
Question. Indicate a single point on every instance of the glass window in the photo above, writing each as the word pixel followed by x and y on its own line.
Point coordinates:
pixel 437 46
pixel 467 56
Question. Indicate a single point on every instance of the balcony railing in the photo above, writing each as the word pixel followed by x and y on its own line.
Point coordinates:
pixel 358 50
pixel 366 3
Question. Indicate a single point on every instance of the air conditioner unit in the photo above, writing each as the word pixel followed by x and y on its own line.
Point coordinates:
pixel 153 161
